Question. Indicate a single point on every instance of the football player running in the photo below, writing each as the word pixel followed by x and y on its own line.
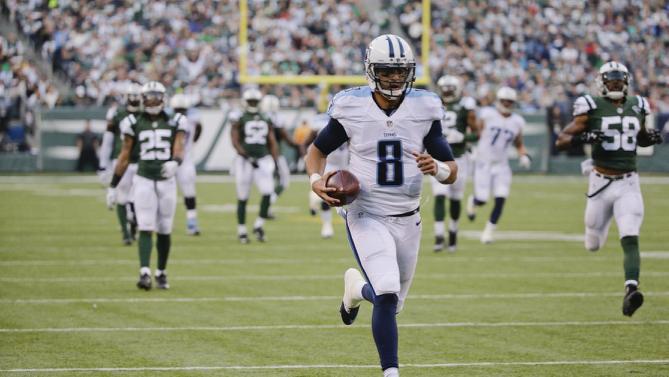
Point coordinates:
pixel 160 139
pixel 270 105
pixel 615 124
pixel 395 136
pixel 459 126
pixel 499 128
pixel 253 139
pixel 186 174
pixel 109 152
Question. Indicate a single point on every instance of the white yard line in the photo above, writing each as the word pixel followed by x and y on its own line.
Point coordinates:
pixel 214 278
pixel 537 295
pixel 336 366
pixel 326 327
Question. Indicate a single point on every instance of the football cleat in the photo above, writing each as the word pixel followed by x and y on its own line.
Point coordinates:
pixel 452 241
pixel 350 303
pixel 487 236
pixel 632 301
pixel 191 227
pixel 243 238
pixel 471 208
pixel 260 234
pixel 327 231
pixel 438 243
pixel 144 282
pixel 127 241
pixel 161 282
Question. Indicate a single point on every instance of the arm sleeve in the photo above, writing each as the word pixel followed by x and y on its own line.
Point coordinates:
pixel 105 149
pixel 436 145
pixel 331 137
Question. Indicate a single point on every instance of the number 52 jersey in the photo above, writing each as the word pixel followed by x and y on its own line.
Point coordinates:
pixel 381 146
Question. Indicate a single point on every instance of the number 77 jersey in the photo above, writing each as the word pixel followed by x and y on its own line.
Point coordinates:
pixel 499 132
pixel 620 126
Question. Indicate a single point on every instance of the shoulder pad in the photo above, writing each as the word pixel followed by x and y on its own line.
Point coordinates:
pixel 468 103
pixel 346 100
pixel 126 125
pixel 111 113
pixel 427 104
pixel 583 105
pixel 642 103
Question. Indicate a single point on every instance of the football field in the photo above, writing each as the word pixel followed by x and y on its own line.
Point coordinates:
pixel 534 303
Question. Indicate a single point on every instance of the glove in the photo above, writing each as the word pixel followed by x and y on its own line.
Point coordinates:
pixel 169 169
pixel 111 197
pixel 253 162
pixel 525 161
pixel 104 177
pixel 586 166
pixel 455 137
pixel 654 136
pixel 589 137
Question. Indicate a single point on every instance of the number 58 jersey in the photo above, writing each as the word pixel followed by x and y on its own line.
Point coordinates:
pixel 381 146
pixel 499 132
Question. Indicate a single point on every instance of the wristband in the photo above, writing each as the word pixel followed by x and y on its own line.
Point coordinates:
pixel 115 180
pixel 179 160
pixel 313 178
pixel 443 171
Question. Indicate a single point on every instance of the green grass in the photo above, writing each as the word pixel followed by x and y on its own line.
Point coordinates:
pixel 68 296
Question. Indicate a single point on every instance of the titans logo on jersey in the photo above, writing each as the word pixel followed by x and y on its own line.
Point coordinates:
pixel 381 145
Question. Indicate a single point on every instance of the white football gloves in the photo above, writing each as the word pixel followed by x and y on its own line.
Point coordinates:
pixel 111 197
pixel 169 169
pixel 587 166
pixel 455 137
pixel 104 176
pixel 524 161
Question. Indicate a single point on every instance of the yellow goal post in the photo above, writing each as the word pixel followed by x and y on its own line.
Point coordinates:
pixel 323 80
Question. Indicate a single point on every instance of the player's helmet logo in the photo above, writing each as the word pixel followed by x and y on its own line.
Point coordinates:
pixel 251 99
pixel 153 97
pixel 613 80
pixel 390 66
pixel 450 87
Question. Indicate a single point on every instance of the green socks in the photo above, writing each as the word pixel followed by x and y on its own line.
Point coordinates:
pixel 123 220
pixel 439 207
pixel 145 245
pixel 264 206
pixel 163 245
pixel 632 259
pixel 241 211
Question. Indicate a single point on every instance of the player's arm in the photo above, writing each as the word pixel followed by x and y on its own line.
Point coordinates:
pixel 198 132
pixel 236 142
pixel 524 159
pixel 438 159
pixel 573 133
pixel 473 126
pixel 123 159
pixel 329 139
pixel 272 143
pixel 647 136
pixel 106 147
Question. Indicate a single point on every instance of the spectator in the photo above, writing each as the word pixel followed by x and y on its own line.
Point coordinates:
pixel 87 143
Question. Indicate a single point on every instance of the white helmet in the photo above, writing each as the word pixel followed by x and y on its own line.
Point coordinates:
pixel 153 97
pixel 179 101
pixel 507 94
pixel 269 104
pixel 609 72
pixel 390 52
pixel 133 97
pixel 251 99
pixel 450 87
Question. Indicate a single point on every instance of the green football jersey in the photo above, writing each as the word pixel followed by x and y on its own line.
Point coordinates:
pixel 620 126
pixel 115 123
pixel 253 132
pixel 455 117
pixel 154 136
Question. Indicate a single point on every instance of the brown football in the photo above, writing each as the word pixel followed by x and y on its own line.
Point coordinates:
pixel 347 182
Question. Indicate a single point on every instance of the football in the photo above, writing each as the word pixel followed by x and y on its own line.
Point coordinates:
pixel 347 183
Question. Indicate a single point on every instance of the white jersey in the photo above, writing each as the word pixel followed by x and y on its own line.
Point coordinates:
pixel 497 135
pixel 192 118
pixel 381 146
pixel 337 159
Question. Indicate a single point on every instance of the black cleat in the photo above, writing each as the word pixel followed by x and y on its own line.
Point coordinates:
pixel 438 244
pixel 348 317
pixel 260 234
pixel 243 238
pixel 452 240
pixel 161 282
pixel 632 301
pixel 144 282
pixel 127 241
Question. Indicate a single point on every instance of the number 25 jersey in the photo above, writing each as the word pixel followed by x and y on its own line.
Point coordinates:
pixel 381 146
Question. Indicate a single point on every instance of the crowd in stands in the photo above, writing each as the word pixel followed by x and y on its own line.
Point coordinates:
pixel 548 50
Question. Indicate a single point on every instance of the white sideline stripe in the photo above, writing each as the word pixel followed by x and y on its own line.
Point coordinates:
pixel 444 276
pixel 340 366
pixel 325 327
pixel 316 298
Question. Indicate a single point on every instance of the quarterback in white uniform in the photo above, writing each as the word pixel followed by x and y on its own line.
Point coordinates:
pixel 395 137
pixel 500 128
pixel 186 175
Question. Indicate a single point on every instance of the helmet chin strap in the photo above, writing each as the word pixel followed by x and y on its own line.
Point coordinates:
pixel 502 109
pixel 153 110
pixel 615 95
